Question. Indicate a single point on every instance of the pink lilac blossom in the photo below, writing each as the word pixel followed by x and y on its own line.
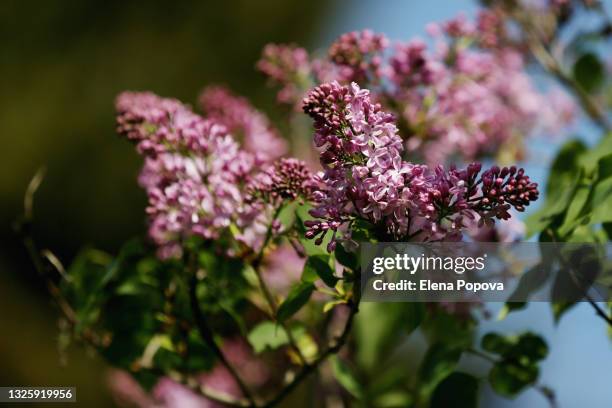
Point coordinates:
pixel 467 98
pixel 365 177
pixel 198 180
pixel 358 56
pixel 479 101
pixel 243 121
pixel 194 174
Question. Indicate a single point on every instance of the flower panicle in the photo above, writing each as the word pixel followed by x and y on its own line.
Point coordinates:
pixel 365 177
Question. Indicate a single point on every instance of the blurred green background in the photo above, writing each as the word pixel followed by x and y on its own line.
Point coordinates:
pixel 62 64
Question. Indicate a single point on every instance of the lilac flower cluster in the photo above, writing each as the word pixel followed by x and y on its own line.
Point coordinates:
pixel 366 178
pixel 243 121
pixel 287 179
pixel 358 56
pixel 195 174
pixel 469 97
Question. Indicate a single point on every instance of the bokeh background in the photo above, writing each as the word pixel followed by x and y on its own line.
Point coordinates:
pixel 62 64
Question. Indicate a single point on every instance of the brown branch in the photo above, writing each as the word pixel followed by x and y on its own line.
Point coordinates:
pixel 333 348
pixel 208 337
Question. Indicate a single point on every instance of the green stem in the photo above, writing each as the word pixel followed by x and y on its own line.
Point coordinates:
pixel 256 264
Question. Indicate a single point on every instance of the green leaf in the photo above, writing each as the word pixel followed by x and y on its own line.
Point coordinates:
pixel 362 231
pixel 604 166
pixel 269 336
pixel 517 367
pixel 607 227
pixel 509 378
pixel 575 208
pixel 560 308
pixel 510 307
pixel 345 377
pixel 287 215
pixel 564 166
pixel 458 390
pixel 495 343
pixel 440 360
pixel 412 316
pixel 394 399
pixel 346 258
pixel 525 347
pixel 532 346
pixel 440 326
pixel 589 72
pixel 379 326
pixel 296 299
pixel 565 175
pixel 601 202
pixel 319 266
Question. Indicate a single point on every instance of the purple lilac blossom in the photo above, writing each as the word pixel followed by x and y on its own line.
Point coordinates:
pixel 243 121
pixel 358 56
pixel 194 174
pixel 365 177
pixel 467 98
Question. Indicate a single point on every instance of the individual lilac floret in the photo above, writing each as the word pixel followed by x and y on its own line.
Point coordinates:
pixel 243 121
pixel 358 54
pixel 365 177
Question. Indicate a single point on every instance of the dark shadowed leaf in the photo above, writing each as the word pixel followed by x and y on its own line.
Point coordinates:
pixel 458 390
pixel 346 258
pixel 298 297
pixel 509 378
pixel 318 266
pixel 440 360
pixel 589 72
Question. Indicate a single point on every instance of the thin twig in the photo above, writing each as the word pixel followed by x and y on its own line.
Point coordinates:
pixel 333 348
pixel 43 259
pixel 482 355
pixel 548 394
pixel 208 337
pixel 550 64
pixel 268 294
